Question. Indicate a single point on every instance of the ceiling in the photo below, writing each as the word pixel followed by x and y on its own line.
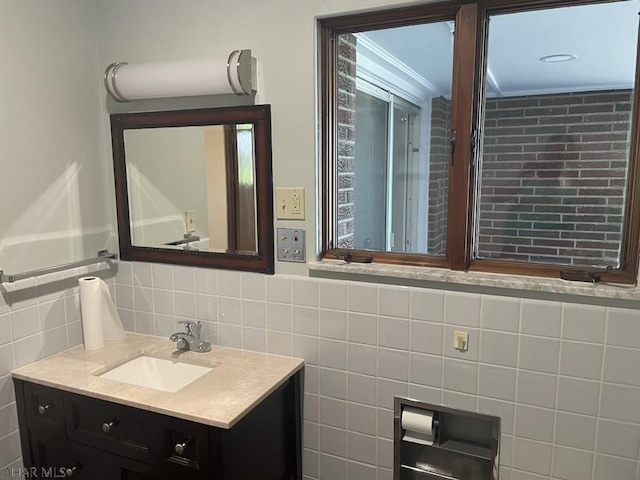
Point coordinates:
pixel 603 37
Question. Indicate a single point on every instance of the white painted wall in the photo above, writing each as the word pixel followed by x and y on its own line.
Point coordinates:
pixel 281 36
pixel 52 169
pixel 166 177
pixel 559 364
pixel 53 178
pixel 216 173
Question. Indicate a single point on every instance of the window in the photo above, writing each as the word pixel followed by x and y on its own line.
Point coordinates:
pixel 492 136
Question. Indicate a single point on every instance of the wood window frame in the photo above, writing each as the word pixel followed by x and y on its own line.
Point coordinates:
pixel 469 66
pixel 241 225
pixel 231 167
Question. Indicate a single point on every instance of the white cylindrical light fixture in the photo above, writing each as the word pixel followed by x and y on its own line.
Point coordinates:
pixel 182 78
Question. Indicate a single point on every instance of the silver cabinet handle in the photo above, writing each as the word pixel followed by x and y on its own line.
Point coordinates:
pixel 108 426
pixel 70 471
pixel 42 409
pixel 181 447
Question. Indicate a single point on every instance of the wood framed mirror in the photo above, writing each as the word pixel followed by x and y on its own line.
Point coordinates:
pixel 194 187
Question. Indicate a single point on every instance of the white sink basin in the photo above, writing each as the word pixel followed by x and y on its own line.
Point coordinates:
pixel 157 373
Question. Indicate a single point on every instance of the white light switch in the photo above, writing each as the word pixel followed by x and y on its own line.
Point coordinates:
pixel 190 220
pixel 461 341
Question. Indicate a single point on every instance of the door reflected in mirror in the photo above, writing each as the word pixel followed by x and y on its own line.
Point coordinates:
pixel 194 187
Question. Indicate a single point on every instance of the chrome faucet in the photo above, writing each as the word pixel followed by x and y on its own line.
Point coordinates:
pixel 190 338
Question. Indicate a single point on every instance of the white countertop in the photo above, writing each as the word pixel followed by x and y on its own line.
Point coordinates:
pixel 238 382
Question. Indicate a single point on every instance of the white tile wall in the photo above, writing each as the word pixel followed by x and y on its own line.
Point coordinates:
pixel 39 318
pixel 564 378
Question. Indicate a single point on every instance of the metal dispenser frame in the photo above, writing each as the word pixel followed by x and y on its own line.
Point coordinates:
pixel 464 441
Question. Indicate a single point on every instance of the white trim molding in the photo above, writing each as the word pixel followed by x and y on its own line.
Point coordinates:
pixel 380 68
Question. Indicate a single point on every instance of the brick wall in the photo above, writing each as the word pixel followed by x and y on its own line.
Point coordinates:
pixel 553 181
pixel 554 177
pixel 346 139
pixel 439 175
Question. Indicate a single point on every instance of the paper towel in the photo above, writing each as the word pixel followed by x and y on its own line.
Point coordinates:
pixel 418 426
pixel 100 320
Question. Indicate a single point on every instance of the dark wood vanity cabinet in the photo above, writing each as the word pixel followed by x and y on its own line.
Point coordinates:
pixel 64 433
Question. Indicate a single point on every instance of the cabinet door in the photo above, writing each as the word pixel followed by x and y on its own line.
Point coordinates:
pixel 68 459
pixel 265 444
pixel 44 411
pixel 41 420
pixel 185 449
pixel 73 460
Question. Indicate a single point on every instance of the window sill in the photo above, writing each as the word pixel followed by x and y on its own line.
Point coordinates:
pixel 403 274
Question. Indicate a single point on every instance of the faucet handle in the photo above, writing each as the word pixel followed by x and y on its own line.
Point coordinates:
pixel 191 327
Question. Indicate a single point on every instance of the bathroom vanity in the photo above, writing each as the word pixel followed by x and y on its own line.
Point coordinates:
pixel 238 421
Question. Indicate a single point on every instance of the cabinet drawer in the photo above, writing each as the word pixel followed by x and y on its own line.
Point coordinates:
pixel 112 427
pixel 44 411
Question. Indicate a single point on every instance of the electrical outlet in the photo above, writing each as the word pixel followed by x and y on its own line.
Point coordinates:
pixel 190 220
pixel 290 203
pixel 290 245
pixel 295 202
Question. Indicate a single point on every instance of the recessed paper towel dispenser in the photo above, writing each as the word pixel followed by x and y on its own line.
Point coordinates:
pixel 435 442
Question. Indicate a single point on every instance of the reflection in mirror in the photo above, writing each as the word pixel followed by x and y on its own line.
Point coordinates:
pixel 214 166
pixel 194 187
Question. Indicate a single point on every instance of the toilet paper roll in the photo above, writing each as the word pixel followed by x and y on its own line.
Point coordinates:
pixel 418 426
pixel 100 319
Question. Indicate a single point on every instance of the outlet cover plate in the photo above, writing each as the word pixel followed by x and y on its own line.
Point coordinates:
pixel 190 220
pixel 290 203
pixel 290 244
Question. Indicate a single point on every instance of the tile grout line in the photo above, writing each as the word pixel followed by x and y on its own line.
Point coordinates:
pixel 515 393
pixel 555 406
pixel 480 333
pixel 12 341
pixel 444 343
pixel 377 406
pixel 598 418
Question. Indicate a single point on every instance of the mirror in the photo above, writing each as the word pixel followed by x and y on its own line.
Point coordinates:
pixel 193 187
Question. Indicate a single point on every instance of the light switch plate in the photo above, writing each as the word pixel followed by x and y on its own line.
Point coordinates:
pixel 461 341
pixel 290 244
pixel 290 203
pixel 190 220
